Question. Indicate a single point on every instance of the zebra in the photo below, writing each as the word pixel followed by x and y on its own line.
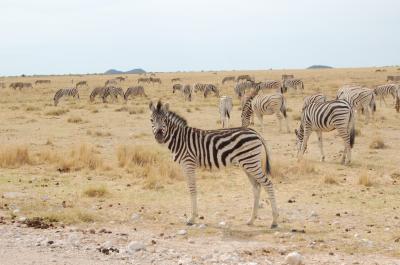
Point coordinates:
pixel 143 80
pixel 359 98
pixel 20 85
pixel 225 108
pixel 174 80
pixel 260 105
pixel 317 98
pixel 154 80
pixel 384 90
pixel 195 148
pixel 393 78
pixel 111 82
pixel 199 87
pixel 324 117
pixel 42 82
pixel 240 87
pixel 187 92
pixel 244 77
pixel 211 88
pixel 81 83
pixel 113 92
pixel 134 91
pixel 68 92
pixel 177 87
pixel 268 84
pixel 97 91
pixel 228 79
pixel 293 83
pixel 120 78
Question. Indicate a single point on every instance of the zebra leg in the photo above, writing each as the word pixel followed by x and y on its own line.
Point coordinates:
pixel 256 193
pixel 320 145
pixel 346 157
pixel 279 116
pixel 303 147
pixel 189 172
pixel 255 171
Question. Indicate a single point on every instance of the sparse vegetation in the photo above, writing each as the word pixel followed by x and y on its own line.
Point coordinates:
pixel 96 191
pixel 329 179
pixel 57 112
pixel 75 119
pixel 365 179
pixel 377 143
pixel 11 157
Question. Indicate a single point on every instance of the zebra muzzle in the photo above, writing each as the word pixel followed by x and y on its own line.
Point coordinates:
pixel 159 136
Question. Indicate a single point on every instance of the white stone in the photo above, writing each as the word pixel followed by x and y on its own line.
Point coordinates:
pixel 222 224
pixel 135 217
pixel 22 219
pixel 74 239
pixel 313 214
pixel 202 226
pixel 191 241
pixel 182 232
pixel 135 246
pixel 16 211
pixel 294 258
pixel 107 244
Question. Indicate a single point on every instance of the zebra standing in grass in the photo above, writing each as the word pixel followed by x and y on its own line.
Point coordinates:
pixel 187 92
pixel 359 98
pixel 268 84
pixel 285 76
pixel 393 78
pixel 113 92
pixel 174 80
pixel 244 77
pixel 292 83
pixel 317 98
pixel 210 88
pixel 197 87
pixel 143 80
pixel 81 83
pixel 111 82
pixel 228 79
pixel 260 105
pixel 324 117
pixel 134 91
pixel 68 92
pixel 225 108
pixel 240 87
pixel 193 148
pixel 177 87
pixel 388 89
pixel 98 91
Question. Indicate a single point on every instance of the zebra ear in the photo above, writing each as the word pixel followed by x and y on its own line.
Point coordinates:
pixel 151 106
pixel 296 132
pixel 166 107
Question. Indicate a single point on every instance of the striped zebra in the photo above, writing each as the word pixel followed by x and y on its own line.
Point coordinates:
pixel 134 91
pixel 388 89
pixel 120 78
pixel 228 79
pixel 81 83
pixel 267 85
pixel 97 91
pixel 113 92
pixel 111 82
pixel 20 85
pixel 240 87
pixel 174 80
pixel 260 105
pixel 317 98
pixel 177 87
pixel 244 77
pixel 193 148
pixel 187 92
pixel 359 98
pixel 67 92
pixel 324 117
pixel 292 83
pixel 225 108
pixel 210 88
pixel 144 80
pixel 198 87
pixel 393 78
pixel 154 80
pixel 37 82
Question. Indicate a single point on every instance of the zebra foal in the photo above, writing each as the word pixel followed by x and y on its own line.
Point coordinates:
pixel 194 148
pixel 225 108
pixel 385 90
pixel 134 91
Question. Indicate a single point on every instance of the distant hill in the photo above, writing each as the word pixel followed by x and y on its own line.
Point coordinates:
pixel 317 66
pixel 118 72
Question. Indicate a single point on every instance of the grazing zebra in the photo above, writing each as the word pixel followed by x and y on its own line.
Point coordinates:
pixel 81 83
pixel 388 89
pixel 240 87
pixel 193 148
pixel 199 87
pixel 187 92
pixel 20 85
pixel 68 92
pixel 359 98
pixel 293 83
pixel 244 77
pixel 284 77
pixel 225 108
pixel 113 92
pixel 393 78
pixel 98 91
pixel 317 98
pixel 324 117
pixel 111 82
pixel 154 80
pixel 210 88
pixel 177 87
pixel 174 80
pixel 120 78
pixel 228 79
pixel 143 80
pixel 260 105
pixel 42 82
pixel 268 84
pixel 134 91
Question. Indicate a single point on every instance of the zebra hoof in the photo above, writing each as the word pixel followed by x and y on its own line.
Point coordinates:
pixel 250 222
pixel 323 159
pixel 273 226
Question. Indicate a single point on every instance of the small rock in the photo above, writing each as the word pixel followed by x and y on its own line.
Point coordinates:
pixel 313 214
pixel 202 226
pixel 22 219
pixel 135 217
pixel 222 224
pixel 182 232
pixel 92 231
pixel 135 246
pixel 73 239
pixel 191 241
pixel 106 244
pixel 294 258
pixel 16 211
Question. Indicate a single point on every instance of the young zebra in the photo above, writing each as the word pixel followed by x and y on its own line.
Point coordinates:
pixel 292 83
pixel 211 88
pixel 324 117
pixel 317 98
pixel 134 91
pixel 228 79
pixel 97 91
pixel 177 87
pixel 113 92
pixel 388 89
pixel 225 108
pixel 268 84
pixel 111 82
pixel 265 105
pixel 240 87
pixel 193 148
pixel 187 92
pixel 68 92
pixel 359 98
pixel 81 83
pixel 244 77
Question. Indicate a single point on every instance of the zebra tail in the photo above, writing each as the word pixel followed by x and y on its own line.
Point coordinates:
pixel 302 85
pixel 373 103
pixel 267 158
pixel 352 129
pixel 398 104
pixel 283 107
pixel 227 114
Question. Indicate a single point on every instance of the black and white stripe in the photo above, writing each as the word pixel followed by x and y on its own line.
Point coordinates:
pixel 228 79
pixel 385 90
pixel 317 98
pixel 113 92
pixel 210 88
pixel 241 87
pixel 198 87
pixel 294 83
pixel 187 92
pixel 177 87
pixel 260 105
pixel 97 91
pixel 225 108
pixel 195 148
pixel 134 91
pixel 324 117
pixel 65 92
pixel 268 85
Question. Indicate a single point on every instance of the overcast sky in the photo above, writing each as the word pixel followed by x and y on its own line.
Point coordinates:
pixel 87 36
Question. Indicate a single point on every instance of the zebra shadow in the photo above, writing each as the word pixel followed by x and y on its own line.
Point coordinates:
pixel 229 233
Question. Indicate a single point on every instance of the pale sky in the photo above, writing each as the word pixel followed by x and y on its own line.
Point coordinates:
pixel 88 36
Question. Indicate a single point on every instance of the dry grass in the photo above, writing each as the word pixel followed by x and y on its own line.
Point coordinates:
pixel 328 179
pixel 136 111
pixel 303 167
pixel 98 133
pixel 75 119
pixel 57 112
pixel 377 143
pixel 365 179
pixel 12 157
pixel 98 192
pixel 32 108
pixel 296 116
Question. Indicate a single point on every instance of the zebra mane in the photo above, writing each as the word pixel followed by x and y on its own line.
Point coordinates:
pixel 176 119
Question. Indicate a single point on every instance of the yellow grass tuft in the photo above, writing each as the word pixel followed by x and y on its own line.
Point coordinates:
pixel 377 143
pixel 11 157
pixel 57 112
pixel 328 179
pixel 365 179
pixel 32 108
pixel 303 167
pixel 96 191
pixel 75 119
pixel 296 116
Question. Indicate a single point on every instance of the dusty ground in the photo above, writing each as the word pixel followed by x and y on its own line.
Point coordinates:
pixel 76 176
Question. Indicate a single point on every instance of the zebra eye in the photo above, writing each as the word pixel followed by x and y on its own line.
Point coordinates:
pixel 151 120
